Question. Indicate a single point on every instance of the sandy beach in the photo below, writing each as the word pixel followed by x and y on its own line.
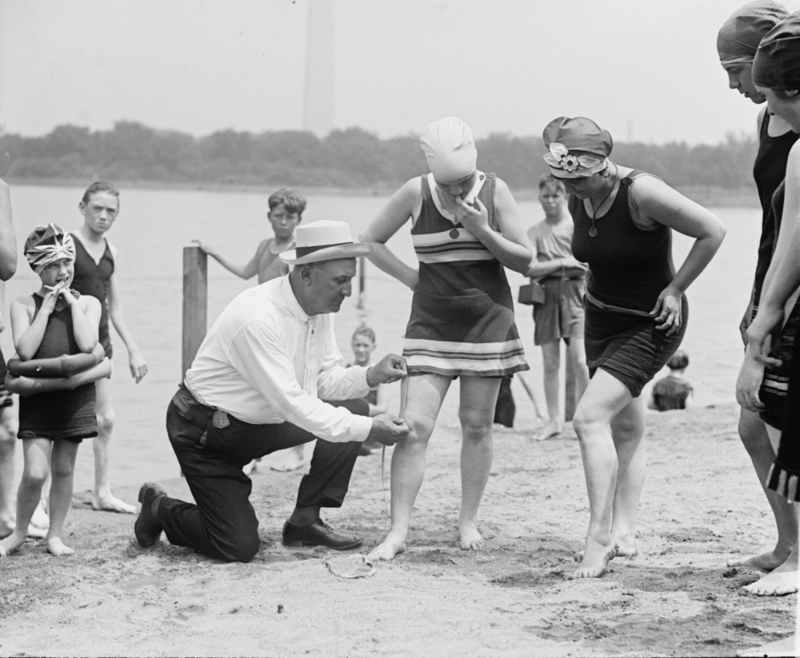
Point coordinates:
pixel 701 506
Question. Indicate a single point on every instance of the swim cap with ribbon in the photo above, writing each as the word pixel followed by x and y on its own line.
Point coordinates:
pixel 47 244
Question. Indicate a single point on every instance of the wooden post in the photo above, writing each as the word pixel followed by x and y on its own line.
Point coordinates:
pixel 195 303
pixel 570 392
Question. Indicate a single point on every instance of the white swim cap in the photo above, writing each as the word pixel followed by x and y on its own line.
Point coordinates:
pixel 450 149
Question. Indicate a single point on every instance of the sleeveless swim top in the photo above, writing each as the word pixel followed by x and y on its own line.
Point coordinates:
pixel 91 278
pixel 769 170
pixel 628 266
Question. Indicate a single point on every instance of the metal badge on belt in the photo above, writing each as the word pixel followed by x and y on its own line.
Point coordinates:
pixel 220 419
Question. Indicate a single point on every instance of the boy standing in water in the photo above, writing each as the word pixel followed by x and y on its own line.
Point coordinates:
pixel 96 263
pixel 285 213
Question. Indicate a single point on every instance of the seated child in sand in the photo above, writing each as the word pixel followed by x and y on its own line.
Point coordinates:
pixel 285 213
pixel 363 344
pixel 673 391
pixel 53 329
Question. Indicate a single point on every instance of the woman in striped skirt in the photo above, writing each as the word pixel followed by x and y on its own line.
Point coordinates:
pixel 465 227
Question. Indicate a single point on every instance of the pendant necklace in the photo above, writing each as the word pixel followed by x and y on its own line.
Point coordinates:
pixel 593 228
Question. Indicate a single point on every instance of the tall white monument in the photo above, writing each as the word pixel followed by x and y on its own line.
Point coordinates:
pixel 318 107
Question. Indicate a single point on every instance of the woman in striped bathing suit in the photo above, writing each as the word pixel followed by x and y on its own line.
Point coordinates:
pixel 465 227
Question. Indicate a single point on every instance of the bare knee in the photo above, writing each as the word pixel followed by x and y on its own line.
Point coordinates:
pixel 105 422
pixel 62 468
pixel 475 429
pixel 627 429
pixel 35 476
pixel 419 433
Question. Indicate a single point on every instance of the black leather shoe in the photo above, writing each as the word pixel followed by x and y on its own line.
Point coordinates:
pixel 147 528
pixel 318 533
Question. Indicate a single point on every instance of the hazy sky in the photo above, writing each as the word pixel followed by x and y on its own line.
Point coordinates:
pixel 641 68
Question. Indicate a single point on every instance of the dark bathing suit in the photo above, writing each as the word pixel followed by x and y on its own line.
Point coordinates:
pixel 91 278
pixel 769 171
pixel 628 269
pixel 68 415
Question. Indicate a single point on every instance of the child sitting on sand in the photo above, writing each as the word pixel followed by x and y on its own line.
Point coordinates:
pixel 285 213
pixel 363 344
pixel 673 391
pixel 53 322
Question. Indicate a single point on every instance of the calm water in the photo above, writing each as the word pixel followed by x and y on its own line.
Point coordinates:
pixel 155 225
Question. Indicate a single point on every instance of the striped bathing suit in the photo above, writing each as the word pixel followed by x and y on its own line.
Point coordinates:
pixel 462 315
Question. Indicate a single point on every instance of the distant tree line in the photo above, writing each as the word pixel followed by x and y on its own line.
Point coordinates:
pixel 349 159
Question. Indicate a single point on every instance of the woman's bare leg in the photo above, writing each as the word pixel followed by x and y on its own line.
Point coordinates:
pixel 29 493
pixel 783 579
pixel 425 396
pixel 603 399
pixel 755 438
pixel 627 430
pixel 476 411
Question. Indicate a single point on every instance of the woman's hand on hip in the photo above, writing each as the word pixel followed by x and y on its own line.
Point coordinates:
pixel 667 311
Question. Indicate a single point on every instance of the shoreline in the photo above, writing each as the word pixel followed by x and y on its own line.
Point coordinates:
pixel 712 197
pixel 677 597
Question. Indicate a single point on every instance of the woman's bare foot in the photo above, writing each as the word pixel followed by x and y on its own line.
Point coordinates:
pixel 290 460
pixel 6 527
pixel 594 559
pixel 549 431
pixel 625 546
pixel 470 538
pixel 765 562
pixel 111 503
pixel 780 582
pixel 56 547
pixel 394 544
pixel 12 543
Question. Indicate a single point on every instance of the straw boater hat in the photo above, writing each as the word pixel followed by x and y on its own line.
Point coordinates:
pixel 323 240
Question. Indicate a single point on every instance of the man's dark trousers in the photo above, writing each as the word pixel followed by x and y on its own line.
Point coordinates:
pixel 213 447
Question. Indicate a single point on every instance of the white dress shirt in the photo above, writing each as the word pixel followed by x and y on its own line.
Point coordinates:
pixel 265 361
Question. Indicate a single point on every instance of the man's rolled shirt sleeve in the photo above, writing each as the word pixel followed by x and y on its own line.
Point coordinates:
pixel 258 354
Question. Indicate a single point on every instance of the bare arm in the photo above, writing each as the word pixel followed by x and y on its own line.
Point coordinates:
pixel 660 203
pixel 8 240
pixel 136 362
pixel 386 223
pixel 511 246
pixel 27 332
pixel 246 271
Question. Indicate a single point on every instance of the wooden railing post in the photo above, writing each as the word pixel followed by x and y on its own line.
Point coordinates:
pixel 195 303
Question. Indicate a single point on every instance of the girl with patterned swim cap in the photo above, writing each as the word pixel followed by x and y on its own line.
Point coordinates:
pixel 465 227
pixel 636 314
pixel 769 380
pixel 737 42
pixel 54 321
